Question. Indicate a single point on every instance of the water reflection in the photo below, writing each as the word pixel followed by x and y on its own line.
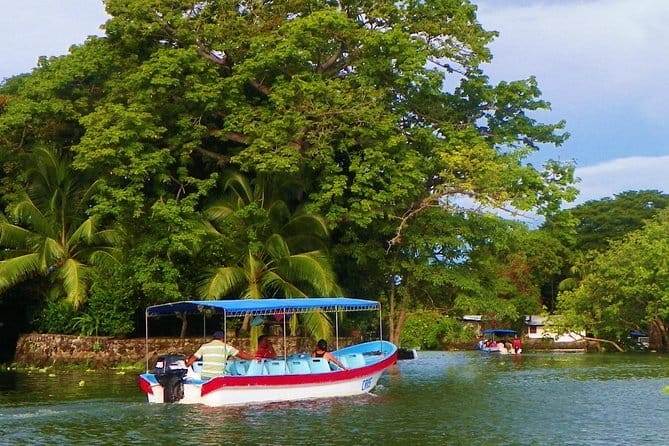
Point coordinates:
pixel 440 398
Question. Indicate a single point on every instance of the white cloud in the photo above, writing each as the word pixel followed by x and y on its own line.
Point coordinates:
pixel 595 52
pixel 623 174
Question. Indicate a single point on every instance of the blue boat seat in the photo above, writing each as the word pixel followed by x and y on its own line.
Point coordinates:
pixel 276 367
pixel 230 368
pixel 299 366
pixel 343 360
pixel 355 360
pixel 319 365
pixel 241 366
pixel 257 367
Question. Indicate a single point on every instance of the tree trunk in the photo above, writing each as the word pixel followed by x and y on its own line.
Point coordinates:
pixel 184 325
pixel 619 348
pixel 391 316
pixel 658 336
pixel 396 316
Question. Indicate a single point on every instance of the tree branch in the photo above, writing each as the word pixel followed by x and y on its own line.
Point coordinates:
pixel 331 61
pixel 222 160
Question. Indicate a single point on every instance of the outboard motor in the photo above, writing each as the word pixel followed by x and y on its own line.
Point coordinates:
pixel 170 371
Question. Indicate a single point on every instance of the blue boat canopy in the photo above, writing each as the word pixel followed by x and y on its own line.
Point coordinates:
pixel 262 307
pixel 499 332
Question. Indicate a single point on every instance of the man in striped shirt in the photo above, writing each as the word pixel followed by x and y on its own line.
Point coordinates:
pixel 214 355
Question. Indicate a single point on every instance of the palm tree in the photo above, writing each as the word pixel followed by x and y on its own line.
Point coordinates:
pixel 287 258
pixel 47 231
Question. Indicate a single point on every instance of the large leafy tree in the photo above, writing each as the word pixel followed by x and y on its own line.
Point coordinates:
pixel 625 288
pixel 48 231
pixel 381 110
pixel 594 224
pixel 602 221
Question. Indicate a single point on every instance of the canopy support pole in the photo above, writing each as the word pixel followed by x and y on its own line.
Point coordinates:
pixel 336 329
pixel 146 342
pixel 380 327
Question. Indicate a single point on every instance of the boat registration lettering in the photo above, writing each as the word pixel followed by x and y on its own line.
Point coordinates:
pixel 366 383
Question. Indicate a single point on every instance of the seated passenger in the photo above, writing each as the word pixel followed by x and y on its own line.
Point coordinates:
pixel 214 356
pixel 322 352
pixel 265 348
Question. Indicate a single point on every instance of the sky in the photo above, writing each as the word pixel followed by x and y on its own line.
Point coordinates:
pixel 602 64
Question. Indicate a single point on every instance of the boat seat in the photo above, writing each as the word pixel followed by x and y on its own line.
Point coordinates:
pixel 299 366
pixel 355 360
pixel 230 368
pixel 276 367
pixel 256 367
pixel 343 360
pixel 319 365
pixel 241 366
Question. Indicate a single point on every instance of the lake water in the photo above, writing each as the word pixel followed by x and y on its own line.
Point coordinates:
pixel 441 398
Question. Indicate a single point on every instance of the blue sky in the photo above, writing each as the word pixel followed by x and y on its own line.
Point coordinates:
pixel 601 63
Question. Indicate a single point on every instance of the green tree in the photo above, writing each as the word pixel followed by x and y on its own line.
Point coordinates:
pixel 602 221
pixel 625 287
pixel 381 111
pixel 48 231
pixel 277 251
pixel 595 224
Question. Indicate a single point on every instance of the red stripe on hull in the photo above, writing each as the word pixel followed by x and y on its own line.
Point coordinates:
pixel 296 380
pixel 145 386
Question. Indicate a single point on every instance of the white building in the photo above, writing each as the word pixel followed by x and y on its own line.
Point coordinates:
pixel 548 327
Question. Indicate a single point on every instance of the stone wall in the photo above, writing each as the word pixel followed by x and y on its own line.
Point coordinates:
pixel 40 350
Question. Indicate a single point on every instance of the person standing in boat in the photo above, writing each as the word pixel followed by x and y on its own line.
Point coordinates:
pixel 322 352
pixel 214 355
pixel 265 348
pixel 517 345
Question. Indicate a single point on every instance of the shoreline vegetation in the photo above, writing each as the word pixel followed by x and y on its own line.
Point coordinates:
pixel 43 352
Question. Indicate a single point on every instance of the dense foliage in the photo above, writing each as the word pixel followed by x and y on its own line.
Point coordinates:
pixel 372 121
pixel 430 330
pixel 609 219
pixel 625 288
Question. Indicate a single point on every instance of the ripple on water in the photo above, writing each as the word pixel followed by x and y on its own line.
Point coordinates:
pixel 439 398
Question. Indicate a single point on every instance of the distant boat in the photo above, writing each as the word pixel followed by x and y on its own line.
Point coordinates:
pixel 294 377
pixel 490 342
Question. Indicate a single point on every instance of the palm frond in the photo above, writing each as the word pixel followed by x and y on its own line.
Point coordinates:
pixel 306 223
pixel 318 325
pixel 88 195
pixel 27 213
pixel 218 211
pixel 278 213
pixel 50 252
pixel 277 247
pixel 240 186
pixel 16 269
pixel 107 258
pixel 110 237
pixel 73 275
pixel 314 268
pixel 84 232
pixel 275 284
pixel 222 281
pixel 14 236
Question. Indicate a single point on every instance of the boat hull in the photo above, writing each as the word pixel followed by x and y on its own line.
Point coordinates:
pixel 240 390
